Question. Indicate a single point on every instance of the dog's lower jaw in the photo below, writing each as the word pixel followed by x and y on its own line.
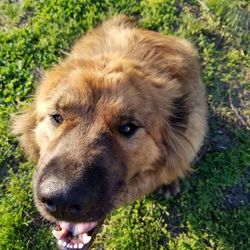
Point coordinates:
pixel 76 235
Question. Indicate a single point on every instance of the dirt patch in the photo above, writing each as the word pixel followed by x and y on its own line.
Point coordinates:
pixel 238 195
pixel 220 135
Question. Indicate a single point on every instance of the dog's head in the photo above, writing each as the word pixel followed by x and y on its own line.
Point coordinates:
pixel 93 127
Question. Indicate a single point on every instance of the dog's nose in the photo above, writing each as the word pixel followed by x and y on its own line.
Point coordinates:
pixel 61 201
pixel 50 205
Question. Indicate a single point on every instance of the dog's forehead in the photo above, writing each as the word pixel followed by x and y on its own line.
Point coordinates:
pixel 82 90
pixel 95 92
pixel 113 91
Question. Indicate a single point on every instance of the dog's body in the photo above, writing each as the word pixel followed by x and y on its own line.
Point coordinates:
pixel 122 115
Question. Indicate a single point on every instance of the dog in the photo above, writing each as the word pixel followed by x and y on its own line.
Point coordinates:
pixel 122 115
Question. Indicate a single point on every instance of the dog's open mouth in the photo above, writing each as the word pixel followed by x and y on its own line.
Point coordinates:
pixel 75 235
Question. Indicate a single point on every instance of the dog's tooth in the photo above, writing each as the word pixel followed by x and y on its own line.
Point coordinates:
pixel 86 238
pixel 64 243
pixel 60 242
pixel 59 234
pixel 80 245
pixel 75 245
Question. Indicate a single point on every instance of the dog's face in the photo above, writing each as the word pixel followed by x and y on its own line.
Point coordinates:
pixel 94 134
pixel 95 130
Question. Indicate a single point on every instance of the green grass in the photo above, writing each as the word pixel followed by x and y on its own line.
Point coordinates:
pixel 212 211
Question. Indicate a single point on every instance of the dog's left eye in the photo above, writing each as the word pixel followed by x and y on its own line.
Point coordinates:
pixel 127 129
pixel 57 119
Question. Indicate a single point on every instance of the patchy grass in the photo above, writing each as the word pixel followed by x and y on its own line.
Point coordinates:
pixel 212 212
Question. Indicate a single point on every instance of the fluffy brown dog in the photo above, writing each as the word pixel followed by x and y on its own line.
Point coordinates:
pixel 122 115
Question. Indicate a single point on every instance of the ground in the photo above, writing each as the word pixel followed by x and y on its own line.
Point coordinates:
pixel 213 209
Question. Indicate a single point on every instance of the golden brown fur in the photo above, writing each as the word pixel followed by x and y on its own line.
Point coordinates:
pixel 114 72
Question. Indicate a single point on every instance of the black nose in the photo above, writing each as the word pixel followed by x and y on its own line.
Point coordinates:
pixel 50 205
pixel 60 200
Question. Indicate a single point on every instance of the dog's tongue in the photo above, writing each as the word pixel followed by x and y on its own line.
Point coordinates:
pixel 77 228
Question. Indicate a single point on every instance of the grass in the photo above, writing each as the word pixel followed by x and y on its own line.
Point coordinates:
pixel 212 211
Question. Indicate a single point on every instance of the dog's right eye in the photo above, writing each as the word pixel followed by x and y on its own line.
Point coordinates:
pixel 56 119
pixel 127 129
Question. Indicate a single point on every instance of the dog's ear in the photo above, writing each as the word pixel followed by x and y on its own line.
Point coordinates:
pixel 176 145
pixel 23 125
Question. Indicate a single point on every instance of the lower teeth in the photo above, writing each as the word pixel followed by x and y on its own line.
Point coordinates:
pixel 78 242
pixel 73 236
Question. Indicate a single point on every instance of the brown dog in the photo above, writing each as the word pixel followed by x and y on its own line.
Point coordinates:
pixel 122 115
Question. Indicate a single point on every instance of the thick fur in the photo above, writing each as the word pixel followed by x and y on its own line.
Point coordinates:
pixel 116 74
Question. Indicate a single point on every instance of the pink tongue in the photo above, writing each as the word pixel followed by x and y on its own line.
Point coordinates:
pixel 77 228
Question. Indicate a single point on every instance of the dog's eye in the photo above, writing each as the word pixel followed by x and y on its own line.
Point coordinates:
pixel 127 129
pixel 57 119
